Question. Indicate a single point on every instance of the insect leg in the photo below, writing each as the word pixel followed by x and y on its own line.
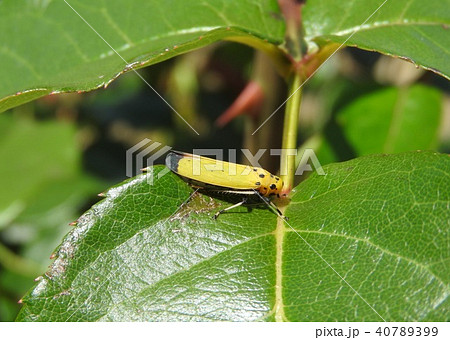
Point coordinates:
pixel 277 210
pixel 230 207
pixel 273 206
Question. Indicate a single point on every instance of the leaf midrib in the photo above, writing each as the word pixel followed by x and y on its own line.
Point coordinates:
pixel 279 234
pixel 279 303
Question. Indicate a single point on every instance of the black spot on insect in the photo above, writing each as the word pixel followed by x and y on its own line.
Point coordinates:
pixel 273 186
pixel 255 169
pixel 271 176
pixel 262 175
pixel 277 179
pixel 258 183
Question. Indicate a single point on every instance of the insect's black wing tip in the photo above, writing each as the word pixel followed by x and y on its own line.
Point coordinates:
pixel 172 160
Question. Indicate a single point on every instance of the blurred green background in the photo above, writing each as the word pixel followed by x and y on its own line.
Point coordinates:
pixel 60 151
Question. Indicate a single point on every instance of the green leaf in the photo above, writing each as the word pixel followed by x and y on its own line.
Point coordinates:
pixel 410 29
pixel 46 47
pixel 42 183
pixel 42 187
pixel 393 120
pixel 382 222
pixel 154 252
pixel 45 149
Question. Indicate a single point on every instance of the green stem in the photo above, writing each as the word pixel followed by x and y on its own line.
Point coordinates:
pixel 289 143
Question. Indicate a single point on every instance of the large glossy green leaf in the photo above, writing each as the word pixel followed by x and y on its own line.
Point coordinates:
pixel 46 47
pixel 393 120
pixel 410 29
pixel 148 252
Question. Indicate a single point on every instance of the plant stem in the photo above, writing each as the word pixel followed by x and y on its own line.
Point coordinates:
pixel 287 171
pixel 290 129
